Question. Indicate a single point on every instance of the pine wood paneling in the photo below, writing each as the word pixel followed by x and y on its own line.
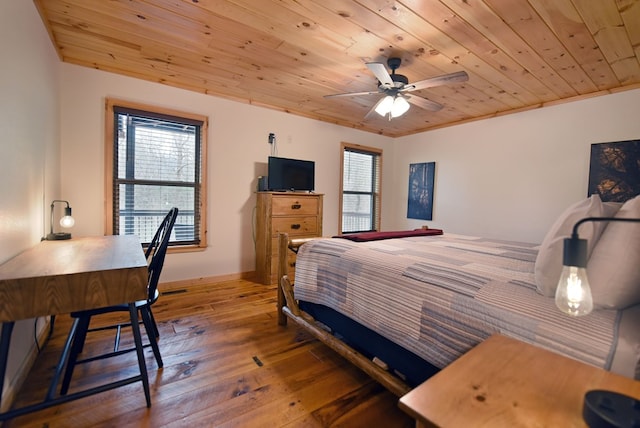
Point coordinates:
pixel 288 54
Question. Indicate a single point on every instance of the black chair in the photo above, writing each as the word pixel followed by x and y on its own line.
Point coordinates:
pixel 155 254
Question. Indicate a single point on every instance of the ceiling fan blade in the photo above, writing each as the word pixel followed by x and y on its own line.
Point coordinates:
pixel 459 76
pixel 381 73
pixel 352 94
pixel 424 103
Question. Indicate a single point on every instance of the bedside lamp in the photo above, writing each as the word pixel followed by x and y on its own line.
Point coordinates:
pixel 66 221
pixel 573 296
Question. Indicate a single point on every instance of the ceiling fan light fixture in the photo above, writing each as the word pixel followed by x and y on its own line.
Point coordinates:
pixel 392 106
pixel 385 106
pixel 400 106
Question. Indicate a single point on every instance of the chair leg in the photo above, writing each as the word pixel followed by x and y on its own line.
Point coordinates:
pixel 133 314
pixel 149 325
pixel 76 349
pixel 155 325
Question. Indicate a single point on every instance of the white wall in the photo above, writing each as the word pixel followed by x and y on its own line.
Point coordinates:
pixel 509 177
pixel 29 146
pixel 238 151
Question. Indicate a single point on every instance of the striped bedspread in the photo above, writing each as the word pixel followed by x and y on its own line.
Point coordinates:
pixel 439 296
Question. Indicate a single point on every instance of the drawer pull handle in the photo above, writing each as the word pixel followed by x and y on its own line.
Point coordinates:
pixel 292 265
pixel 296 206
pixel 295 226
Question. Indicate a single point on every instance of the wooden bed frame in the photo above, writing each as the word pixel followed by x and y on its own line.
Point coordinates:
pixel 288 308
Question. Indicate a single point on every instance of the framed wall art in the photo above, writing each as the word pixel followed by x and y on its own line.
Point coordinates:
pixel 420 200
pixel 614 170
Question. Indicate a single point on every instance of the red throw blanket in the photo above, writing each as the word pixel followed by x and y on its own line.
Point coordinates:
pixel 375 236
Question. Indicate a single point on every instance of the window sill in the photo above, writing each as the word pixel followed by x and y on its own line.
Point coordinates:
pixel 186 249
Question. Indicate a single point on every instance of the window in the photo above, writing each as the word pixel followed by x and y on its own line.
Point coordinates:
pixel 155 160
pixel 360 188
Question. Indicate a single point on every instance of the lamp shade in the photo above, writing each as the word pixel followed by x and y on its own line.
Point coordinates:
pixel 400 106
pixel 392 105
pixel 384 107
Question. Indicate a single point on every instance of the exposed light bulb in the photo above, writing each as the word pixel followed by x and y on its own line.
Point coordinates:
pixel 573 294
pixel 67 221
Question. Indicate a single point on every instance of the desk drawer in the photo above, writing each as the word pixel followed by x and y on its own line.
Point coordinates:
pixel 295 226
pixel 294 205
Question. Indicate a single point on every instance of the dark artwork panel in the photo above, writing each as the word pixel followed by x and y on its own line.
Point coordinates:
pixel 420 203
pixel 614 171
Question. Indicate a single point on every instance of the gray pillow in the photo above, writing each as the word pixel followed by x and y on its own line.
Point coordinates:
pixel 614 266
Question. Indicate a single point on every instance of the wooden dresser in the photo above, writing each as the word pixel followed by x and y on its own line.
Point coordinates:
pixel 298 214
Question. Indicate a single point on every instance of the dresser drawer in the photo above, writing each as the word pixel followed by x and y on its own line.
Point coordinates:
pixel 294 226
pixel 294 205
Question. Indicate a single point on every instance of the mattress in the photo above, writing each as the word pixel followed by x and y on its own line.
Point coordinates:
pixel 439 296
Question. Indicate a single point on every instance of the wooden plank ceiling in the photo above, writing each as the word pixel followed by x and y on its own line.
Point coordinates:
pixel 288 54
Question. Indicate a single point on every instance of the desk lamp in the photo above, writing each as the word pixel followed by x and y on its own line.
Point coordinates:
pixel 573 296
pixel 67 221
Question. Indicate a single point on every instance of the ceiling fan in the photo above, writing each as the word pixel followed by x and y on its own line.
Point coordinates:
pixel 395 88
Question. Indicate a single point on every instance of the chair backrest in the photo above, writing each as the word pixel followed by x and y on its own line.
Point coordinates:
pixel 157 249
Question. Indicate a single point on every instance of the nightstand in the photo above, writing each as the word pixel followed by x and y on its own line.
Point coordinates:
pixel 504 382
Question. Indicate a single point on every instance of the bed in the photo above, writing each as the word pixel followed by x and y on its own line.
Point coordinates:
pixel 430 299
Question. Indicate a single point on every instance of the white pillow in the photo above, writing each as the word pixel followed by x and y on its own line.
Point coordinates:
pixel 614 266
pixel 548 264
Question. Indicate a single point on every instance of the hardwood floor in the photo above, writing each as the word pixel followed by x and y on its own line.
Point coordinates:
pixel 226 364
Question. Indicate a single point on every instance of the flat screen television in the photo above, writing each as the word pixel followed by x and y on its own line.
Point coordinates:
pixel 290 174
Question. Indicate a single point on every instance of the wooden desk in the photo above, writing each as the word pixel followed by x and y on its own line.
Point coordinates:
pixel 57 277
pixel 503 382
